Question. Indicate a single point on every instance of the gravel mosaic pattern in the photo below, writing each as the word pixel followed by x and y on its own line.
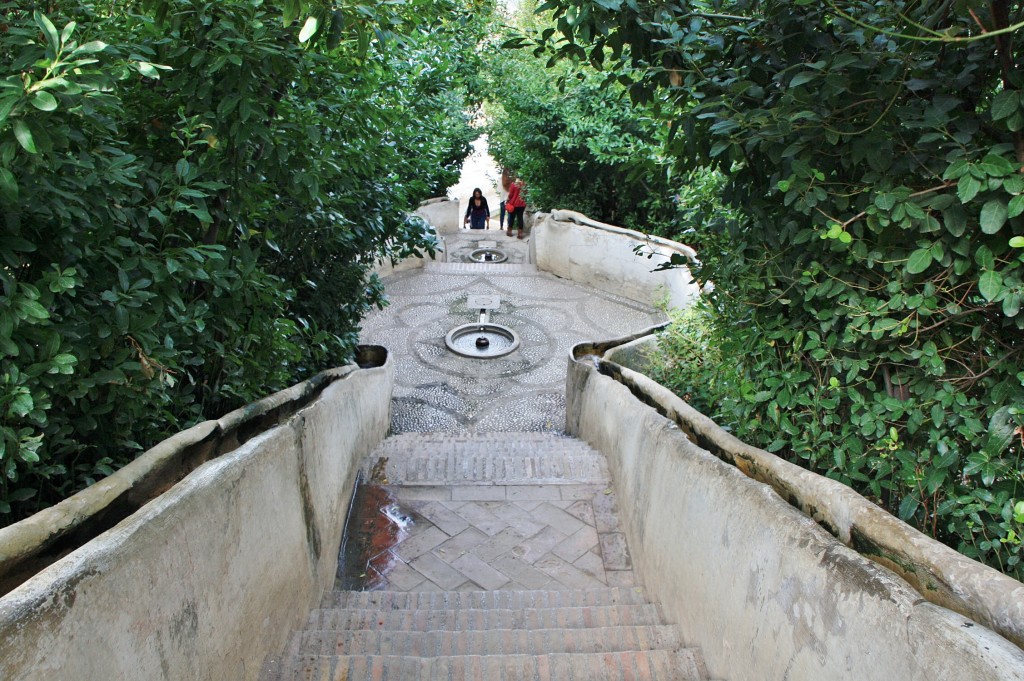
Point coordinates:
pixel 459 246
pixel 437 390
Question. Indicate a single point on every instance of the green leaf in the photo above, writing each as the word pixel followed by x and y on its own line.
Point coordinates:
pixel 90 47
pixel 1014 184
pixel 954 219
pixel 309 29
pixel 65 35
pixel 990 285
pixel 30 309
pixel 803 77
pixel 8 185
pixel 48 29
pixel 44 101
pixel 1011 304
pixel 147 69
pixel 1000 432
pixel 908 507
pixel 9 347
pixel 919 261
pixel 956 170
pixel 718 147
pixel 993 216
pixel 985 258
pixel 1017 242
pixel 1004 104
pixel 997 166
pixel 22 404
pixel 1016 206
pixel 885 201
pixel 24 137
pixel 22 494
pixel 967 188
pixel 934 480
pixel 7 105
pixel 290 11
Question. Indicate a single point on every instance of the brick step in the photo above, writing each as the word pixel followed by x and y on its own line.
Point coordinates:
pixel 478 268
pixel 429 443
pixel 488 458
pixel 652 665
pixel 482 600
pixel 478 619
pixel 492 642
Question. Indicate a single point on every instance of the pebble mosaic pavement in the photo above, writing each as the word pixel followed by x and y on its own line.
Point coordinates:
pixel 436 390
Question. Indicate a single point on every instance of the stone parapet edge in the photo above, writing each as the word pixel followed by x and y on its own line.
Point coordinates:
pixel 937 573
pixel 209 576
pixel 31 544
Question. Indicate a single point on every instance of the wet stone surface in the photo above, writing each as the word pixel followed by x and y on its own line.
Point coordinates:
pixel 446 538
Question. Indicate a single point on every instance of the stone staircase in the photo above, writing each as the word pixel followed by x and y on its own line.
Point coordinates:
pixel 507 563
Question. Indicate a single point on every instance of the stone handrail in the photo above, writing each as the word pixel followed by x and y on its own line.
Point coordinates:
pixel 609 258
pixel 764 590
pixel 215 568
pixel 28 546
pixel 940 574
pixel 581 219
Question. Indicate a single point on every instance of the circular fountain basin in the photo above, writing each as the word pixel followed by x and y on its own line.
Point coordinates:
pixel 488 255
pixel 482 341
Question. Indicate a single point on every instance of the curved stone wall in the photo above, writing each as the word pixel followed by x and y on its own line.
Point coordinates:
pixel 572 246
pixel 204 578
pixel 765 590
pixel 442 213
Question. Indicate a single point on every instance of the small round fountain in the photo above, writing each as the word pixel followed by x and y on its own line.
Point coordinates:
pixel 488 255
pixel 482 339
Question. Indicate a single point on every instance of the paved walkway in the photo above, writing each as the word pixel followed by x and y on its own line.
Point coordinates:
pixel 478 548
pixel 437 390
pixel 485 512
pixel 486 557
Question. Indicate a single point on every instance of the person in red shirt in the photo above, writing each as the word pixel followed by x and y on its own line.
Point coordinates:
pixel 515 204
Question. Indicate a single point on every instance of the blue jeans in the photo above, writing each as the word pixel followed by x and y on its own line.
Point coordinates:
pixel 477 221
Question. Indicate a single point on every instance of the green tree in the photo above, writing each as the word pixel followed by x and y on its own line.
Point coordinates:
pixel 870 293
pixel 576 141
pixel 194 196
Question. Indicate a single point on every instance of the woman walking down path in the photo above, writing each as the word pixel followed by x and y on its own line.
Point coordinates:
pixel 516 207
pixel 478 213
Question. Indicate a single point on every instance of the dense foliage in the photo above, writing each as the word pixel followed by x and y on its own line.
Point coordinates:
pixel 868 300
pixel 194 193
pixel 574 141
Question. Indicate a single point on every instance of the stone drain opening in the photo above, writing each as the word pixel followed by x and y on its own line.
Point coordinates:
pixel 482 339
pixel 488 255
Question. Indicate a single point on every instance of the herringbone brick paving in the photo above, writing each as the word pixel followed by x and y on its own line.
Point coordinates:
pixel 469 532
pixel 506 561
